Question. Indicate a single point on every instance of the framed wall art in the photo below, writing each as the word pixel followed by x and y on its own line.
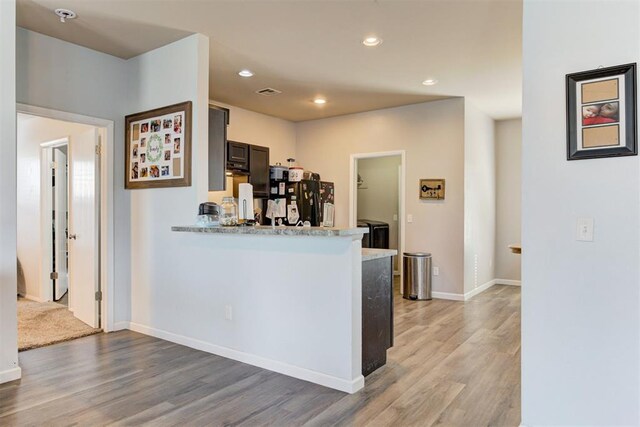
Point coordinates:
pixel 601 113
pixel 432 189
pixel 158 147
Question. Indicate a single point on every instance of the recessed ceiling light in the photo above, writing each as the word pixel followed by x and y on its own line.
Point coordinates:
pixel 320 101
pixel 245 73
pixel 429 82
pixel 372 41
pixel 65 14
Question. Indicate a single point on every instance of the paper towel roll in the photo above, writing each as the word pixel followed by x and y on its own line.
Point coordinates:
pixel 245 201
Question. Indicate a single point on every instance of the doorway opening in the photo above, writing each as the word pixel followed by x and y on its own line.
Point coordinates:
pixel 59 235
pixel 377 200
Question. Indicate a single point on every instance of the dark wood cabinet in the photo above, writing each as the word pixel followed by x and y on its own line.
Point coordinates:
pixel 217 149
pixel 238 156
pixel 377 312
pixel 259 170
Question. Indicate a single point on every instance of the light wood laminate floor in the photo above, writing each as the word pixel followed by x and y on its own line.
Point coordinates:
pixel 453 364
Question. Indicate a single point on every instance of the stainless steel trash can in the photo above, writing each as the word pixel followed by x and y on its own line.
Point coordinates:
pixel 416 268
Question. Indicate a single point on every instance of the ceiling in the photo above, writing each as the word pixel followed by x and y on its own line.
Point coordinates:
pixel 310 48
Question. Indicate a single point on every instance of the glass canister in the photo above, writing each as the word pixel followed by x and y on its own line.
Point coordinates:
pixel 228 212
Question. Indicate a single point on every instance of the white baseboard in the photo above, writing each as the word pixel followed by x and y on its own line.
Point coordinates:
pixel 447 295
pixel 472 293
pixel 120 326
pixel 466 296
pixel 10 375
pixel 508 282
pixel 252 359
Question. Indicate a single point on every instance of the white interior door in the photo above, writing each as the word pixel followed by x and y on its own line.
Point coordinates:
pixel 83 227
pixel 60 208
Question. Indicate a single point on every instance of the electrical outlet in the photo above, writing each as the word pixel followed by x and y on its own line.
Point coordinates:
pixel 228 312
pixel 584 229
pixel 436 271
pixel 409 218
pixel 395 217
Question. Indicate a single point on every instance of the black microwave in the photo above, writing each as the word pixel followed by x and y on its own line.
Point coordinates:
pixel 237 156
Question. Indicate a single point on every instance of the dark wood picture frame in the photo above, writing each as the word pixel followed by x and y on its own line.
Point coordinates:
pixel 185 181
pixel 626 117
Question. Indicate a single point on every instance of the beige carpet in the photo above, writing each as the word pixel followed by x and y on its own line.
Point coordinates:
pixel 45 323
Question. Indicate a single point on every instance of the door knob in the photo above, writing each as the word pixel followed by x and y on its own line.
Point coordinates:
pixel 72 237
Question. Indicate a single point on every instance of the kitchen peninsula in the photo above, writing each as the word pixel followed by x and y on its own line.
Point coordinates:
pixel 287 299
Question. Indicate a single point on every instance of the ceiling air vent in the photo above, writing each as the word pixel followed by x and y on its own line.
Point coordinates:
pixel 268 91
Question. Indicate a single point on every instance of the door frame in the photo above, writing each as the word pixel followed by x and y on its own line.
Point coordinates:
pixel 353 193
pixel 46 195
pixel 105 201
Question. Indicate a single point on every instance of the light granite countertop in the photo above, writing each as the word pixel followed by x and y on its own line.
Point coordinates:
pixel 370 253
pixel 268 230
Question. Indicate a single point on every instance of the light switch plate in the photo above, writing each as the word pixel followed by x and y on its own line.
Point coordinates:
pixel 409 218
pixel 584 229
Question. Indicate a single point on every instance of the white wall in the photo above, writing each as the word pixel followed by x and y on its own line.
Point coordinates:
pixel 31 133
pixel 479 198
pixel 433 136
pixel 379 201
pixel 508 197
pixel 580 300
pixel 62 76
pixel 9 369
pixel 154 247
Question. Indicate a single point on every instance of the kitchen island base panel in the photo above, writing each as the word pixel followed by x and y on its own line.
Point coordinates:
pixel 377 312
pixel 295 301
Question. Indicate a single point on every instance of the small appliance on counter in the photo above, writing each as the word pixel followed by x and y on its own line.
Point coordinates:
pixel 208 215
pixel 245 204
pixel 296 173
pixel 279 172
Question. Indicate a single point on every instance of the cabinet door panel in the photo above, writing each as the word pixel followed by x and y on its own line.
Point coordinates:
pixel 217 149
pixel 259 170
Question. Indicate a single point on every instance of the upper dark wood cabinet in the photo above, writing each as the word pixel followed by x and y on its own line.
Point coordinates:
pixel 259 170
pixel 217 149
pixel 238 156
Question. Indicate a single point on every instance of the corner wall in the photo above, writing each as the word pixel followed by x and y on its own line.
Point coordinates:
pixel 580 300
pixel 432 134
pixel 479 200
pixel 9 369
pixel 171 74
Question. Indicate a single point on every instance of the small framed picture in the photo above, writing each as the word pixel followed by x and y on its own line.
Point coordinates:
pixel 432 189
pixel 601 113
